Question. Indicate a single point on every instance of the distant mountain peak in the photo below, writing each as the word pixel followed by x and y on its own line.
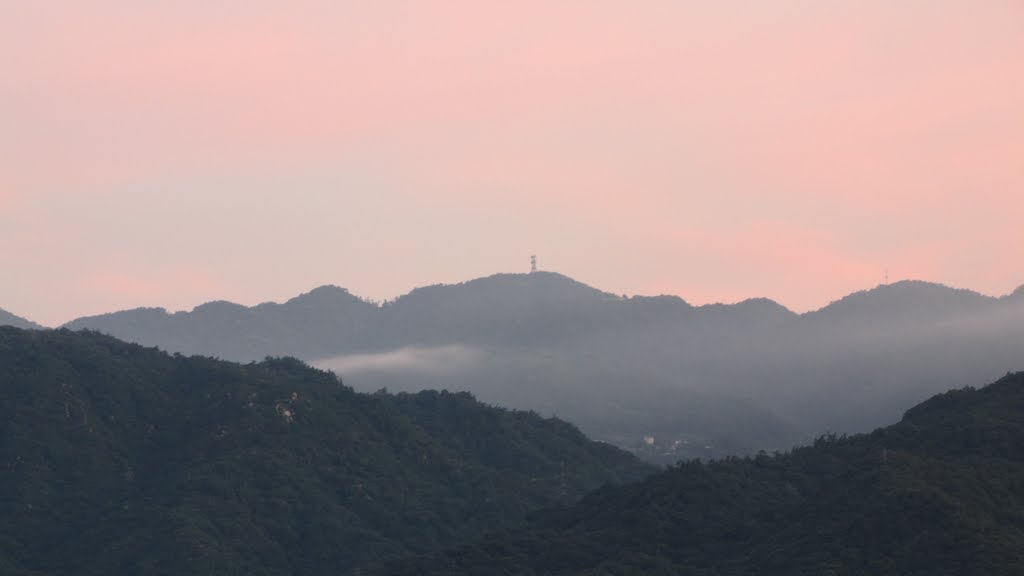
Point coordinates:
pixel 218 306
pixel 903 297
pixel 538 277
pixel 911 283
pixel 762 303
pixel 670 299
pixel 326 289
pixel 8 319
pixel 540 284
pixel 904 287
pixel 921 286
pixel 766 307
pixel 551 280
pixel 326 300
pixel 323 294
pixel 750 310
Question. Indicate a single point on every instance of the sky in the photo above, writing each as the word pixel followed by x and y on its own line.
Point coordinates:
pixel 172 153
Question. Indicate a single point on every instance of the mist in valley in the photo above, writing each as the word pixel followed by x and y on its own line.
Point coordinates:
pixel 712 386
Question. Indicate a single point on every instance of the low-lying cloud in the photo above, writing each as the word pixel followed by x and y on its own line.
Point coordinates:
pixel 412 360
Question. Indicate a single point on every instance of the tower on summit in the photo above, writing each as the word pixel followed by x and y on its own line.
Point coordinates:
pixel 533 264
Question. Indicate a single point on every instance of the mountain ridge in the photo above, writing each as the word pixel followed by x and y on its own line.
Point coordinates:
pixel 936 493
pixel 121 459
pixel 9 319
pixel 627 369
pixel 335 294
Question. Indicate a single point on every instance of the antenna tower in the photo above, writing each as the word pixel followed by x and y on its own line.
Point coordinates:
pixel 533 264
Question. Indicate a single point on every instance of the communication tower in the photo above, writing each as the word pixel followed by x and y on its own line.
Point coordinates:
pixel 533 264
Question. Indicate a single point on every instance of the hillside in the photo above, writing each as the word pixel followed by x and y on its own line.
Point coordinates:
pixel 8 319
pixel 655 375
pixel 941 492
pixel 119 459
pixel 327 320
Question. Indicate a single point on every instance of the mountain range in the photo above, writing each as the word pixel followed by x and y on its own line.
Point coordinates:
pixel 119 459
pixel 122 459
pixel 939 493
pixel 656 375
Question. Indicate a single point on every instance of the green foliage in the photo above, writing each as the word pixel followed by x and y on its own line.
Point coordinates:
pixel 118 459
pixel 942 492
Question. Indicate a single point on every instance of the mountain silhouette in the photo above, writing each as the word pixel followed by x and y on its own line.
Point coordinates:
pixel 905 301
pixel 323 321
pixel 8 319
pixel 1017 294
pixel 937 493
pixel 119 459
pixel 652 374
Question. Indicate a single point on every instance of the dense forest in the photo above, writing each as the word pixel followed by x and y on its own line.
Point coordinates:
pixel 119 459
pixel 123 459
pixel 941 492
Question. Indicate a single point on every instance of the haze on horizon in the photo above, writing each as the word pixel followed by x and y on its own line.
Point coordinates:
pixel 167 155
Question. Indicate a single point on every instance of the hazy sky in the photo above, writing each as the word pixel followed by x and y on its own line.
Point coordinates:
pixel 169 153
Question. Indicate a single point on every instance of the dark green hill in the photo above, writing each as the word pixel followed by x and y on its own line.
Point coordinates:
pixel 118 459
pixel 941 492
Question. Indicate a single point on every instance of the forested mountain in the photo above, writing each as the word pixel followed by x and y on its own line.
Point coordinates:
pixel 8 319
pixel 652 374
pixel 323 322
pixel 119 459
pixel 941 492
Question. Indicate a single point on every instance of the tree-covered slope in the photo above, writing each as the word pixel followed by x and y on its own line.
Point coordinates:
pixel 119 459
pixel 941 492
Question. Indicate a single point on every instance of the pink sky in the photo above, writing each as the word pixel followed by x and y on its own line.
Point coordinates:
pixel 169 155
